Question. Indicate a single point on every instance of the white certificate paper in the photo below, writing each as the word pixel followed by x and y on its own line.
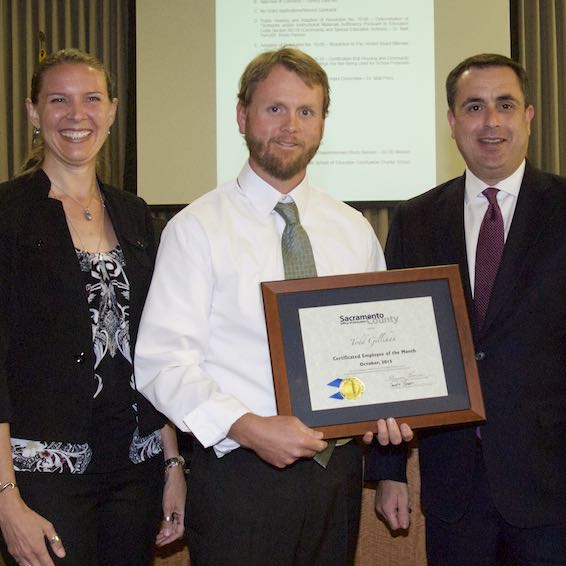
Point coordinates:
pixel 372 353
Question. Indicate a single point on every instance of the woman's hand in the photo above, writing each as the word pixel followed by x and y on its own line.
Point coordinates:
pixel 26 533
pixel 174 493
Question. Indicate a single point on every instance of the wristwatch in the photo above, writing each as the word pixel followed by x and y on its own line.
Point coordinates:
pixel 174 462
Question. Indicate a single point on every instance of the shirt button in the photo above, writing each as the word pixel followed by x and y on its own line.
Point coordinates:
pixel 80 358
pixel 480 356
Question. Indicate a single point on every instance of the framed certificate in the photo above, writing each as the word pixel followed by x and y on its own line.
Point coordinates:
pixel 347 350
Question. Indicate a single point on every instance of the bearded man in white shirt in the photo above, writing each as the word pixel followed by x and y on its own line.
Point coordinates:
pixel 256 496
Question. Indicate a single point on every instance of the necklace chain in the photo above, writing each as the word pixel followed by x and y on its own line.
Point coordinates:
pixel 87 215
pixel 101 235
pixel 86 209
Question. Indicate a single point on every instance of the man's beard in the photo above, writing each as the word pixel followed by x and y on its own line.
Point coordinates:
pixel 273 164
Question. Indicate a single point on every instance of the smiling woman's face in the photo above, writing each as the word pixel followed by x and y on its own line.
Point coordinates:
pixel 74 114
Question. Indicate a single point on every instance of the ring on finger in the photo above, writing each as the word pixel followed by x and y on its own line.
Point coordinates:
pixel 55 538
pixel 168 518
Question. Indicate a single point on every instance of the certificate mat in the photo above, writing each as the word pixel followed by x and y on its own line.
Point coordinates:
pixel 347 350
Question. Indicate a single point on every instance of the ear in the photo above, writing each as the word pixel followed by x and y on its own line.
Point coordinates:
pixel 241 117
pixel 32 113
pixel 451 120
pixel 113 110
pixel 529 114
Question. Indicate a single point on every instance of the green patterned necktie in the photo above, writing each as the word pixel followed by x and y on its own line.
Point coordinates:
pixel 298 261
pixel 295 244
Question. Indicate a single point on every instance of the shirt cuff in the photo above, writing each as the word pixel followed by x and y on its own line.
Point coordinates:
pixel 211 421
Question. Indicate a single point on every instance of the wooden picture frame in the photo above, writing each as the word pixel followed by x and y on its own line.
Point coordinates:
pixel 304 327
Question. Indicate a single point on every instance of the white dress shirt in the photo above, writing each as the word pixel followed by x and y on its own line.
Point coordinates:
pixel 202 355
pixel 475 207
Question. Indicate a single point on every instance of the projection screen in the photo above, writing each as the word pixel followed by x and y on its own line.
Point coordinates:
pixel 386 136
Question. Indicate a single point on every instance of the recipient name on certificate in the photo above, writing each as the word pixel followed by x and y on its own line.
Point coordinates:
pixel 372 353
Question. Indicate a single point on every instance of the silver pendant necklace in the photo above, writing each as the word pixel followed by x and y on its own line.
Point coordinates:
pixel 87 212
pixel 100 237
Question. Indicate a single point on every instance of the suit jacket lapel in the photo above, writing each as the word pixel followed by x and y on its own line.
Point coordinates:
pixel 453 236
pixel 528 221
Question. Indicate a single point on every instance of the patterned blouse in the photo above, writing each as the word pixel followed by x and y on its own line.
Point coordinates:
pixel 114 441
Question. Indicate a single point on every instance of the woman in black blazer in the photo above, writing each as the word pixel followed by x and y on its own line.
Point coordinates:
pixel 81 452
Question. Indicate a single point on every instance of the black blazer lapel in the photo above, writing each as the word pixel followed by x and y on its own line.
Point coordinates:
pixel 132 224
pixel 453 235
pixel 528 221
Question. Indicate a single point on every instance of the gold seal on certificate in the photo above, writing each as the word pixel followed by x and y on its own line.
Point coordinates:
pixel 351 388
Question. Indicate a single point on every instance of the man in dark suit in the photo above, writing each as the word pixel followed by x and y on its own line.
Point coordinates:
pixel 497 494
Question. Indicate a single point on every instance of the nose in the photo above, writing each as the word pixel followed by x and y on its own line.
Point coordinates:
pixel 291 123
pixel 492 118
pixel 76 110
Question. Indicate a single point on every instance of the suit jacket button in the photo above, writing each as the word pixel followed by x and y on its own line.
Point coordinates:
pixel 80 357
pixel 480 356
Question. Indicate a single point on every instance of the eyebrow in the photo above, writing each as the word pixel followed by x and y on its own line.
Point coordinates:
pixel 500 98
pixel 57 92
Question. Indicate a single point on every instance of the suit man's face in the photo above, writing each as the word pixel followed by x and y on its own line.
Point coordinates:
pixel 283 126
pixel 490 122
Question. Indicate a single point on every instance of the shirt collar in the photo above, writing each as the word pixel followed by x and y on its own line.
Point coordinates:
pixel 264 197
pixel 510 185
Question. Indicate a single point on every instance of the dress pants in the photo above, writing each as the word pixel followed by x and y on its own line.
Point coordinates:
pixel 482 537
pixel 103 519
pixel 243 511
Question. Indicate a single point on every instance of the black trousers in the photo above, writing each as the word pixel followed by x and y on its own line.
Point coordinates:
pixel 242 511
pixel 108 519
pixel 482 537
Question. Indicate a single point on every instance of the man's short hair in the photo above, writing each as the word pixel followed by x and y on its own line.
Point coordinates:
pixel 483 61
pixel 292 59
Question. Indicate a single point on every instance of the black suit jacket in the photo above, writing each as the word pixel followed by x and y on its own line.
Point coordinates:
pixel 46 351
pixel 521 353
